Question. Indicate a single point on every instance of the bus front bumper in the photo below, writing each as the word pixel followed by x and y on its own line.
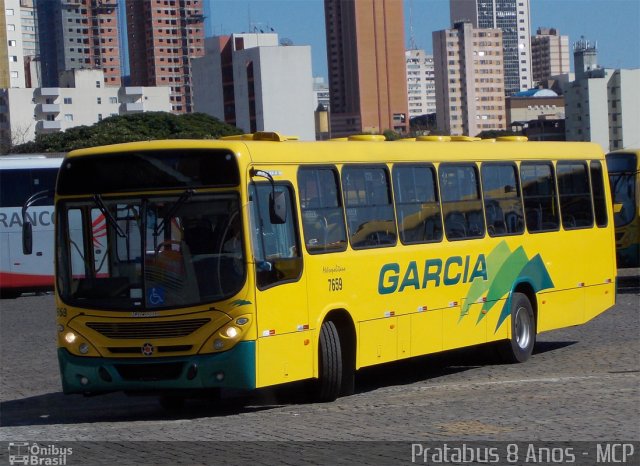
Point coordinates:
pixel 234 368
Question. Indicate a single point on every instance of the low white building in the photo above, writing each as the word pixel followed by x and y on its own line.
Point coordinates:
pixel 255 84
pixel 81 99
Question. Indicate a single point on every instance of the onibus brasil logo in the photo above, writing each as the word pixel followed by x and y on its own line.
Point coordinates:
pixel 35 454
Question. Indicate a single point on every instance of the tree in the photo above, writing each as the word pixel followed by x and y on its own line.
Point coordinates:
pixel 129 128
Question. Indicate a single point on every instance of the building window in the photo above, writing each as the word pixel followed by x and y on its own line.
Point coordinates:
pixel 98 84
pixel 12 43
pixel 68 117
pixel 9 11
pixel 113 100
pixel 68 100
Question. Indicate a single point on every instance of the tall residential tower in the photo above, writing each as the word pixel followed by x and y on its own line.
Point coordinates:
pixel 367 77
pixel 78 34
pixel 469 79
pixel 513 18
pixel 164 35
pixel 549 54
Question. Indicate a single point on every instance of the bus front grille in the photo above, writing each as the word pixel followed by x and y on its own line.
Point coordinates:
pixel 147 330
pixel 159 349
pixel 150 372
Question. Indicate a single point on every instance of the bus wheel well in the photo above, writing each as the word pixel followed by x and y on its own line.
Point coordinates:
pixel 526 289
pixel 347 333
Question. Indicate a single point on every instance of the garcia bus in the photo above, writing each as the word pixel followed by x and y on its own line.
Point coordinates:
pixel 254 261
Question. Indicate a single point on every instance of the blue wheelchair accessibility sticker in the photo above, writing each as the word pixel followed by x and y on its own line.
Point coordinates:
pixel 155 296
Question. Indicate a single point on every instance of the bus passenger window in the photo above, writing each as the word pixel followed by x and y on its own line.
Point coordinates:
pixel 597 187
pixel 539 194
pixel 275 246
pixel 370 218
pixel 502 199
pixel 461 202
pixel 575 195
pixel 322 214
pixel 417 203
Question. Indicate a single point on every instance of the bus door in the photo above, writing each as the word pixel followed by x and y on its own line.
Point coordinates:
pixel 284 351
pixel 34 269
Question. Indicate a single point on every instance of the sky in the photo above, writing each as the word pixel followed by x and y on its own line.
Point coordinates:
pixel 613 24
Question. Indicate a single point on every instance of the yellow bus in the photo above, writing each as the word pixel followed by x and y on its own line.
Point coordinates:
pixel 255 261
pixel 624 170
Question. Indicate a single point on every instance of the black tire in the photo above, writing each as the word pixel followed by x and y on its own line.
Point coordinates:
pixel 329 383
pixel 523 331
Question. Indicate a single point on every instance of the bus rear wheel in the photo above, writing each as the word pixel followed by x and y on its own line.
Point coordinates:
pixel 330 364
pixel 523 331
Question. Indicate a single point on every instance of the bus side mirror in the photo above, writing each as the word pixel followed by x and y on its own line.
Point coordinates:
pixel 27 238
pixel 277 208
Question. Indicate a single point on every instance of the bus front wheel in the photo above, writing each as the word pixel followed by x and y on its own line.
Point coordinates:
pixel 523 331
pixel 330 363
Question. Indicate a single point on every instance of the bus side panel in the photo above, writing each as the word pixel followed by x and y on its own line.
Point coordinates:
pixel 426 332
pixel 463 330
pixel 495 332
pixel 284 358
pixel 378 341
pixel 599 298
pixel 560 309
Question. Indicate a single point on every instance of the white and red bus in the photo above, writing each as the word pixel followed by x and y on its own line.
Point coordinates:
pixel 20 178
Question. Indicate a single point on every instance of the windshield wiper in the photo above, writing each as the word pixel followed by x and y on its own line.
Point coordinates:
pixel 112 221
pixel 174 208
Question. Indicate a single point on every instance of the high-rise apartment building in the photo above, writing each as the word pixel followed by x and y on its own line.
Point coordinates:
pixel 30 43
pixel 421 83
pixel 78 34
pixel 365 55
pixel 549 54
pixel 241 81
pixel 18 44
pixel 469 79
pixel 11 50
pixel 512 17
pixel 163 36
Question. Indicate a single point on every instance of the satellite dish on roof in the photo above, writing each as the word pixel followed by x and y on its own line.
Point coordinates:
pixel 286 42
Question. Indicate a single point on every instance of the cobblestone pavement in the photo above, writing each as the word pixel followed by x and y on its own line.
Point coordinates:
pixel 581 384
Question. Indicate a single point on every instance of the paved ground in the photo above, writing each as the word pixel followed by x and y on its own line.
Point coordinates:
pixel 582 384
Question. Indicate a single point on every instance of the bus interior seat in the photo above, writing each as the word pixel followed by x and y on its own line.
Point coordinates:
pixel 495 218
pixel 455 225
pixel 475 222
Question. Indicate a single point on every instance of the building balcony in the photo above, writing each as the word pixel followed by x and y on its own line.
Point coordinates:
pixel 48 126
pixel 134 107
pixel 49 91
pixel 48 108
pixel 133 90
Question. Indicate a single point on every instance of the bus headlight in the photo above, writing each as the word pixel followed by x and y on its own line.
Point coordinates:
pixel 70 337
pixel 232 332
pixel 228 335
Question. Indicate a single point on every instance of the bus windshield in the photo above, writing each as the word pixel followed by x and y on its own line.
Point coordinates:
pixel 134 253
pixel 622 173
